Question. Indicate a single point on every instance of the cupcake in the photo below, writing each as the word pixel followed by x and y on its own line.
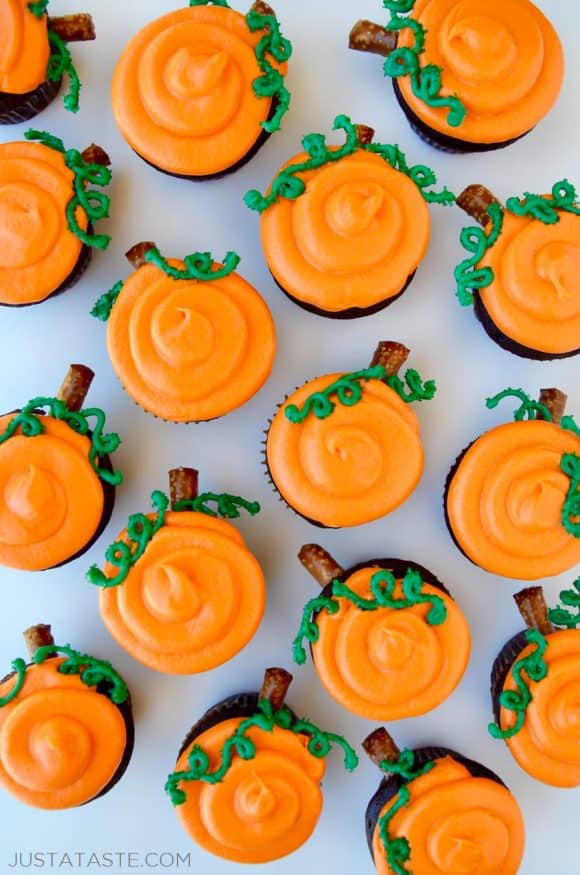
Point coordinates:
pixel 47 210
pixel 197 92
pixel 345 449
pixel 35 57
pixel 56 478
pixel 470 76
pixel 437 811
pixel 535 687
pixel 189 340
pixel 66 725
pixel 247 782
pixel 180 590
pixel 387 639
pixel 512 498
pixel 344 228
pixel 522 273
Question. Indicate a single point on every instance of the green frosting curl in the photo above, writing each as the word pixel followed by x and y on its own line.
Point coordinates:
pixel 198 266
pixel 518 701
pixel 570 598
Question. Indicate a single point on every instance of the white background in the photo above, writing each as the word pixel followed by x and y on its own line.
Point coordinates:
pixel 38 343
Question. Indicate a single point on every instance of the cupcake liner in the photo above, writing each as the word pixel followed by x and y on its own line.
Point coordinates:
pixel 16 108
pixel 501 668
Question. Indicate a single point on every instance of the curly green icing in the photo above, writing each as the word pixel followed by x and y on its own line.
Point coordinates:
pixel 468 276
pixel 527 409
pixel 535 668
pixel 198 266
pixel 266 718
pixel 398 850
pixel 95 204
pixel 383 584
pixel 28 422
pixel 102 308
pixel 60 61
pixel 545 209
pixel 18 666
pixel 289 185
pixel 92 671
pixel 271 83
pixel 227 506
pixel 413 388
pixel 570 599
pixel 39 8
pixel 570 465
pixel 426 81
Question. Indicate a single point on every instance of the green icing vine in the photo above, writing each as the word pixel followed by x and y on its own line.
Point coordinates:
pixel 528 408
pixel 29 423
pixel 103 307
pixel 19 668
pixel 570 598
pixel 398 850
pixel 287 184
pixel 92 671
pixel 228 506
pixel 426 81
pixel 95 204
pixel 38 9
pixel 545 209
pixel 265 719
pixel 271 82
pixel 518 700
pixel 59 63
pixel 417 389
pixel 198 266
pixel 570 465
pixel 468 276
pixel 382 584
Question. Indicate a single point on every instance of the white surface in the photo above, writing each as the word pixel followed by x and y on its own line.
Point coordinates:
pixel 38 343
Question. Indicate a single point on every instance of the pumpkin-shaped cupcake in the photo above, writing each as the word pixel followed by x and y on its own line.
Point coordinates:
pixel 512 499
pixel 189 340
pixel 470 75
pixel 523 272
pixel 56 479
pixel 535 689
pixel 438 812
pixel 198 91
pixel 46 215
pixel 387 639
pixel 66 726
pixel 34 57
pixel 344 228
pixel 345 449
pixel 180 590
pixel 247 781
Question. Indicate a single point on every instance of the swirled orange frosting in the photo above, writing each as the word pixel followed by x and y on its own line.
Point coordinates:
pixel 357 465
pixel 456 824
pixel 548 746
pixel 37 249
pixel 188 350
pixel 502 58
pixel 193 600
pixel 265 808
pixel 182 91
pixel 24 48
pixel 352 239
pixel 51 498
pixel 61 742
pixel 389 664
pixel 505 501
pixel 535 296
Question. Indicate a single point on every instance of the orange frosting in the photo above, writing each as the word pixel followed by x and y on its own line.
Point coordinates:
pixel 352 239
pixel 182 91
pixel 505 501
pixel 456 824
pixel 389 664
pixel 24 48
pixel 61 742
pixel 357 465
pixel 188 350
pixel 265 808
pixel 37 249
pixel 193 600
pixel 502 58
pixel 547 746
pixel 51 498
pixel 535 296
